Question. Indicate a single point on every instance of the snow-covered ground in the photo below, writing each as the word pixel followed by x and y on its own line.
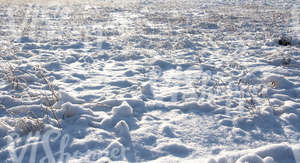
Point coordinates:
pixel 150 81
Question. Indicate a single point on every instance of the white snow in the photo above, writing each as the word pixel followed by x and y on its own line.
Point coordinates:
pixel 150 81
pixel 250 158
pixel 124 110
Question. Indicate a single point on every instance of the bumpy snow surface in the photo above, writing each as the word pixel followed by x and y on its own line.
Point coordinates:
pixel 150 81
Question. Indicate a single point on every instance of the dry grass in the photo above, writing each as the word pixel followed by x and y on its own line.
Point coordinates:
pixel 27 125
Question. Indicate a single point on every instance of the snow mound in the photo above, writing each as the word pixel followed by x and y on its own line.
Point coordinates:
pixel 164 65
pixel 124 110
pixel 253 158
pixel 277 153
pixel 147 90
pixel 168 131
pixel 279 82
pixel 178 150
pixel 116 151
pixel 122 130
